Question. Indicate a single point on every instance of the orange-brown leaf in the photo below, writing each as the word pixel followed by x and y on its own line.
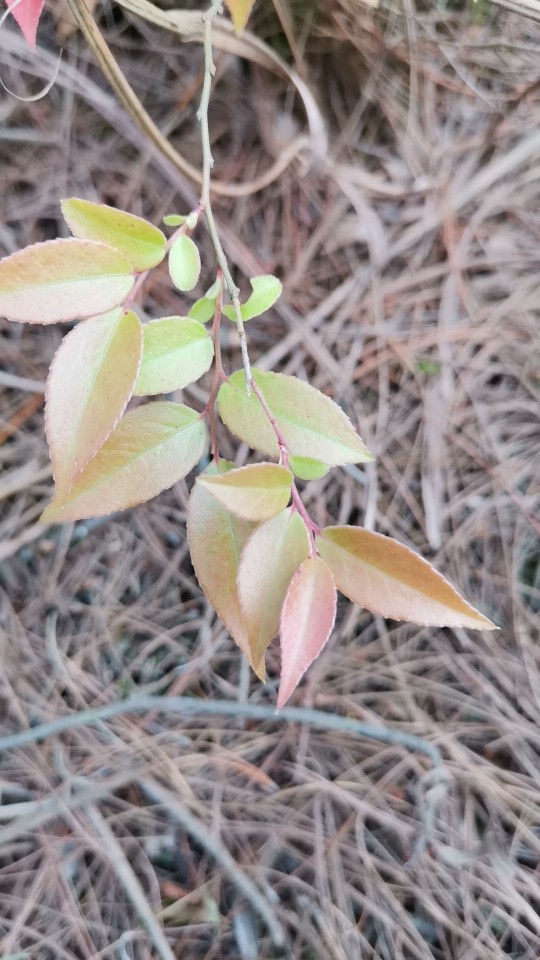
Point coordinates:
pixel 255 492
pixel 389 579
pixel 240 11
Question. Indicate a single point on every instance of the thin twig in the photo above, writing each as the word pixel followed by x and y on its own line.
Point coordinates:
pixel 208 162
pixel 141 703
pixel 312 527
pixel 127 877
pixel 199 832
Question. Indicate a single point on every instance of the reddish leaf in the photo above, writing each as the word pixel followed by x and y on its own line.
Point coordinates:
pixel 389 579
pixel 89 384
pixel 269 559
pixel 255 492
pixel 152 448
pixel 63 280
pixel 27 13
pixel 216 539
pixel 307 618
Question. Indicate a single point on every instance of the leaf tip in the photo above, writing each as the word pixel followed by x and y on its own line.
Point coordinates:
pixel 51 513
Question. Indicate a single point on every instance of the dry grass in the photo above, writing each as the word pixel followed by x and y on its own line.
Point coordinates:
pixel 410 264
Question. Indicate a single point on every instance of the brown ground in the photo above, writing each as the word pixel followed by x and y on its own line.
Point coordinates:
pixel 410 259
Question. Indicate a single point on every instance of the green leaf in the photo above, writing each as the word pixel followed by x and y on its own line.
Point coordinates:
pixel 269 559
pixel 389 579
pixel 266 290
pixel 307 619
pixel 176 351
pixel 143 244
pixel 184 263
pixel 203 310
pixel 255 492
pixel 89 384
pixel 63 280
pixel 312 425
pixel 216 539
pixel 151 448
pixel 176 220
pixel 240 11
pixel 306 468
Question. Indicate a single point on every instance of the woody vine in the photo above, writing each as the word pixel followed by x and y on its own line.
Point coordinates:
pixel 262 562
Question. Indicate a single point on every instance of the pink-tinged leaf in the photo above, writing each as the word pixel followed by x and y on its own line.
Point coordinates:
pixel 256 492
pixel 27 13
pixel 63 280
pixel 240 11
pixel 151 448
pixel 307 619
pixel 216 539
pixel 89 385
pixel 176 351
pixel 269 559
pixel 312 425
pixel 143 244
pixel 389 579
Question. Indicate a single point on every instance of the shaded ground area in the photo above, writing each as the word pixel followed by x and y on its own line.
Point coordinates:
pixel 409 256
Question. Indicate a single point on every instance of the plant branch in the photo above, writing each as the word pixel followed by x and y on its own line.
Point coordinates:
pixel 208 162
pixel 436 782
pixel 219 375
pixel 190 706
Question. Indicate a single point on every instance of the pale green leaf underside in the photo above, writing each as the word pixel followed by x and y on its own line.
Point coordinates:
pixel 255 492
pixel 311 423
pixel 306 468
pixel 151 448
pixel 89 385
pixel 177 219
pixel 143 244
pixel 184 263
pixel 203 310
pixel 63 280
pixel 176 351
pixel 265 291
pixel 387 578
